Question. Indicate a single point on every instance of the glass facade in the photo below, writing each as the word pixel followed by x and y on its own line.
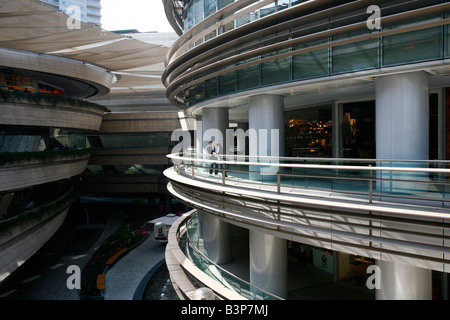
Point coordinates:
pixel 314 59
pixel 19 139
pixel 195 11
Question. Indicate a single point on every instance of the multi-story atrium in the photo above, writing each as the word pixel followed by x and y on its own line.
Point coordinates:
pixel 73 98
pixel 333 117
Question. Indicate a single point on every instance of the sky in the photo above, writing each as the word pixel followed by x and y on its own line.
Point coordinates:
pixel 143 15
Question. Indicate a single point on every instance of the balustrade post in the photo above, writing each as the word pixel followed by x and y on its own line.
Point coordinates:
pixel 223 173
pixel 370 184
pixel 278 180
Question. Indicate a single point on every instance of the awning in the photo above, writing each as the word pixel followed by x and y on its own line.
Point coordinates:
pixel 29 25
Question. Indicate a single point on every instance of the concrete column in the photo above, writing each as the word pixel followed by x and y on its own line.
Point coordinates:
pixel 403 282
pixel 402 131
pixel 216 239
pixel 268 254
pixel 266 133
pixel 268 263
pixel 402 126
pixel 216 233
pixel 214 125
pixel 402 114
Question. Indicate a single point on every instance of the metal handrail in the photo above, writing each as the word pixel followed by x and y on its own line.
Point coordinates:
pixel 239 280
pixel 208 159
pixel 378 171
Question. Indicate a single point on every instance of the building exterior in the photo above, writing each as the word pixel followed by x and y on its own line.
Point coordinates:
pixel 333 118
pixel 89 10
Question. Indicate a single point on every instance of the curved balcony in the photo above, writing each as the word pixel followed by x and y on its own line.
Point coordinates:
pixel 189 265
pixel 41 110
pixel 24 169
pixel 23 235
pixel 306 43
pixel 79 79
pixel 382 209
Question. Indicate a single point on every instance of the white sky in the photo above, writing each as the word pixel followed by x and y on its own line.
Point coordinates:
pixel 143 15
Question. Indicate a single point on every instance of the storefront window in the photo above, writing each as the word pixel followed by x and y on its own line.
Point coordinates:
pixel 358 130
pixel 308 132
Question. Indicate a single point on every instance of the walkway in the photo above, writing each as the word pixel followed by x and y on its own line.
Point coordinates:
pixel 44 276
pixel 125 276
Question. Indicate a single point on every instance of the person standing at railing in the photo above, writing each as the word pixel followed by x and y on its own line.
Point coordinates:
pixel 217 151
pixel 209 150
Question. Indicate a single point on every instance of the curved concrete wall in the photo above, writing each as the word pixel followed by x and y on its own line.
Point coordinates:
pixel 16 250
pixel 81 74
pixel 29 114
pixel 29 173
pixel 408 233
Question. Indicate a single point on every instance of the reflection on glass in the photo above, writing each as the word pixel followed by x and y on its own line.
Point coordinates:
pixel 227 83
pixel 249 77
pixel 309 132
pixel 355 56
pixel 211 88
pixel 283 4
pixel 223 3
pixel 275 71
pixel 130 140
pixel 412 46
pixel 310 64
pixel 18 140
pixel 210 7
pixel 269 9
pixel 358 130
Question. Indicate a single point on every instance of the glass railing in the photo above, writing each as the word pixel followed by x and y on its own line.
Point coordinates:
pixel 373 179
pixel 232 282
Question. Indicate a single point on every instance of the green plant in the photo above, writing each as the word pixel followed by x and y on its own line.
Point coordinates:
pixel 125 237
pixel 37 215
